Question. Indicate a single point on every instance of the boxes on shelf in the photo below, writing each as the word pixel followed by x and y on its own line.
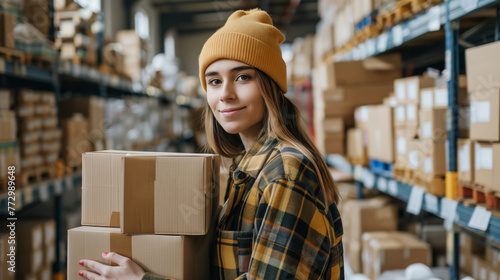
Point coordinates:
pixel 330 135
pixel 323 41
pixel 186 189
pixel 357 146
pixel 134 55
pixel 412 119
pixel 6 99
pixel 361 118
pixel 37 13
pixel 432 166
pixel 437 97
pixel 466 159
pixel 487 165
pixel 402 137
pixel 407 90
pixel 392 250
pixel 302 57
pixel 433 124
pixel 400 116
pixel 75 140
pixel 381 133
pixel 177 257
pixel 7 23
pixel 9 156
pixel 381 69
pixel 8 127
pixel 93 109
pixel 485 115
pixel 30 248
pixel 483 72
pixel 8 258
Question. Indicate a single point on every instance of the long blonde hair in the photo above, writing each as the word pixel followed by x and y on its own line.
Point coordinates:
pixel 282 119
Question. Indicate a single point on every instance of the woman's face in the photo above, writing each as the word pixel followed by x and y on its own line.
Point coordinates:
pixel 234 95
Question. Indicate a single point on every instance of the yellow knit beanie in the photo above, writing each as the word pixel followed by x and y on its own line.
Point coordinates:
pixel 248 37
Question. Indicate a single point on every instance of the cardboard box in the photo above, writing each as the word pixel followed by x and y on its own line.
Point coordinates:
pixel 413 154
pixel 9 156
pixel 6 99
pixel 75 139
pixel 432 159
pixel 381 133
pixel 487 165
pixel 330 135
pixel 361 118
pixel 357 144
pixel 407 90
pixel 433 124
pixel 485 115
pixel 411 111
pixel 481 269
pixel 483 72
pixel 7 24
pixel 402 137
pixel 366 256
pixel 91 108
pixel 8 127
pixel 400 116
pixel 466 158
pixel 492 257
pixel 394 250
pixel 353 254
pixel 177 257
pixel 6 255
pixel 111 196
pixel 29 240
pixel 384 68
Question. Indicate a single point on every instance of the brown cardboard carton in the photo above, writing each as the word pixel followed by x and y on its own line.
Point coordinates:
pixel 29 240
pixel 366 252
pixel 411 111
pixel 9 156
pixel 483 72
pixel 6 99
pixel 179 190
pixel 330 135
pixel 492 257
pixel 91 108
pixel 7 24
pixel 400 116
pixel 381 133
pixel 45 273
pixel 407 90
pixel 356 144
pixel 433 124
pixel 485 115
pixel 486 165
pixel 432 159
pixel 402 137
pixel 7 257
pixel 75 139
pixel 361 117
pixel 354 256
pixel 8 128
pixel 465 152
pixel 396 250
pixel 413 154
pixel 176 257
pixel 373 70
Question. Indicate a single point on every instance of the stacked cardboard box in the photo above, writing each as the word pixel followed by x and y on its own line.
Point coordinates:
pixel 148 195
pixel 478 260
pixel 392 250
pixel 381 133
pixel 7 258
pixel 36 249
pixel 39 135
pixel 9 148
pixel 134 50
pixel 8 21
pixel 75 141
pixel 302 58
pixel 483 82
pixel 340 87
pixel 360 216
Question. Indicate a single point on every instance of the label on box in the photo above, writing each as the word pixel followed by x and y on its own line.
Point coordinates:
pixel 393 187
pixel 401 92
pixel 401 145
pixel 486 158
pixel 427 130
pixel 463 159
pixel 441 97
pixel 397 35
pixel 411 112
pixel 415 202
pixel 413 159
pixel 412 88
pixel 382 42
pixel 363 113
pixel 480 218
pixel 426 98
pixel 428 165
pixel 480 111
pixel 477 156
pixel 400 113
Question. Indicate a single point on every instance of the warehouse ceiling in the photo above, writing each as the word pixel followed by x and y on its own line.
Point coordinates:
pixel 195 16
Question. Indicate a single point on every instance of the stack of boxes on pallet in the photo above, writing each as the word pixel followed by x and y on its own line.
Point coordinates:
pixel 151 207
pixel 35 252
pixel 479 156
pixel 340 87
pixel 39 135
pixel 9 146
pixel 478 260
pixel 75 38
pixel 8 20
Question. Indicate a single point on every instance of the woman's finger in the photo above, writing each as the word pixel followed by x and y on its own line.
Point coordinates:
pixel 89 275
pixel 116 258
pixel 95 266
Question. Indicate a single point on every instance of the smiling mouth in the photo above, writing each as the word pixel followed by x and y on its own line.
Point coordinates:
pixel 231 112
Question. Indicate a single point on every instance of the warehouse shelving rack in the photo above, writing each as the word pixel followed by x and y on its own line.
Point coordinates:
pixel 456 215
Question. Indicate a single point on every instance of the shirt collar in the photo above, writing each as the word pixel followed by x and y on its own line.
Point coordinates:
pixel 254 159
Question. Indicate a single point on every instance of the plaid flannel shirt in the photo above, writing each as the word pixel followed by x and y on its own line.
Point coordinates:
pixel 275 224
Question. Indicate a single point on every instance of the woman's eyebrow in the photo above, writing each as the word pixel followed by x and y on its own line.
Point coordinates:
pixel 214 73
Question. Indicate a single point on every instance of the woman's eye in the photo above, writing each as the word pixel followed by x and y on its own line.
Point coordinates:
pixel 214 82
pixel 243 78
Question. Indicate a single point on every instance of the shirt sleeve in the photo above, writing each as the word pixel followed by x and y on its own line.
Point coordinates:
pixel 292 234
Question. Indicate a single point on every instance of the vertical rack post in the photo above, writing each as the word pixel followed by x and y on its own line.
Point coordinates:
pixel 452 66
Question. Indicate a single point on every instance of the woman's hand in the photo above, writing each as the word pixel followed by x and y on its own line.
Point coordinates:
pixel 127 269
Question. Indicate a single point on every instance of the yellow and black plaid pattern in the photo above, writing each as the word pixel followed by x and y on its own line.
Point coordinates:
pixel 276 225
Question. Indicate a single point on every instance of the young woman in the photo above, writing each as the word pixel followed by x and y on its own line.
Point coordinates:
pixel 280 218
